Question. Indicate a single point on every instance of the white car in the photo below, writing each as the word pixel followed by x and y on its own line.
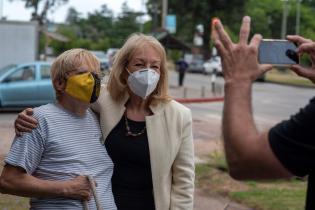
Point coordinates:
pixel 213 65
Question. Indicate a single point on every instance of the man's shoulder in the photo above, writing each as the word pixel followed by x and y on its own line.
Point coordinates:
pixel 45 108
pixel 48 113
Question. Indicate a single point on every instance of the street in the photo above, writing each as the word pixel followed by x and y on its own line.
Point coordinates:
pixel 271 102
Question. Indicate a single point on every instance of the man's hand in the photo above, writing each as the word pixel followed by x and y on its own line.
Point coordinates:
pixel 305 46
pixel 25 122
pixel 78 188
pixel 239 61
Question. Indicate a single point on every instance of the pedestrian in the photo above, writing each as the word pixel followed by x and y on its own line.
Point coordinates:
pixel 181 66
pixel 287 148
pixel 59 148
pixel 146 133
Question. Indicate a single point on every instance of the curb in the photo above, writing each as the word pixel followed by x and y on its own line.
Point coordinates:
pixel 198 100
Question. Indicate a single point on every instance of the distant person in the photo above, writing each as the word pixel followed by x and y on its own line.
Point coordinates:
pixel 286 149
pixel 49 164
pixel 181 66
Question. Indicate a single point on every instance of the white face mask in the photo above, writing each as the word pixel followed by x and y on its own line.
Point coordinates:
pixel 143 82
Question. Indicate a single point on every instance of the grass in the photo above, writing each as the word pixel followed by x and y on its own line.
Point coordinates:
pixel 272 198
pixel 8 202
pixel 271 195
pixel 287 77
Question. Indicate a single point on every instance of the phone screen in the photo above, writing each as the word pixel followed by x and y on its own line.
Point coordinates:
pixel 278 52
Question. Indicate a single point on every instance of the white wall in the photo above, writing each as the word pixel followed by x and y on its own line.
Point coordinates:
pixel 18 42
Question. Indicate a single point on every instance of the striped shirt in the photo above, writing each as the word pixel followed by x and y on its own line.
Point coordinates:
pixel 62 147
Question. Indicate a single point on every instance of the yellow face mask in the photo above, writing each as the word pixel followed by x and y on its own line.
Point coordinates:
pixel 84 87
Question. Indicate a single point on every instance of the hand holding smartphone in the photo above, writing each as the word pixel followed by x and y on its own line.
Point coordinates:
pixel 278 52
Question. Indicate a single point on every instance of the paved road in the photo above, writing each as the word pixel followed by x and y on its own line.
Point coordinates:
pixel 271 102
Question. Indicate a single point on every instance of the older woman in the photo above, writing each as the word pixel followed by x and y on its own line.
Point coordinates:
pixel 146 133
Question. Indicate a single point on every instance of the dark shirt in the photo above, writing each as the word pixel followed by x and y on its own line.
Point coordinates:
pixel 182 65
pixel 293 141
pixel 132 178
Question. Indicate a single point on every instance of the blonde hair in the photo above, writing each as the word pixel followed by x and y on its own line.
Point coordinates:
pixel 71 60
pixel 117 83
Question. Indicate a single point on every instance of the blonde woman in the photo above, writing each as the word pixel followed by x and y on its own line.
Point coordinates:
pixel 147 134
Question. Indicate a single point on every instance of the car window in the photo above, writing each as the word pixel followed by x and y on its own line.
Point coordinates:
pixel 5 69
pixel 45 71
pixel 26 73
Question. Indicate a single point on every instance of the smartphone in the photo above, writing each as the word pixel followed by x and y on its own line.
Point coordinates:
pixel 278 52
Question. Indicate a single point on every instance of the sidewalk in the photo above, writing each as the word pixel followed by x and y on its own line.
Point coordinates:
pixel 204 91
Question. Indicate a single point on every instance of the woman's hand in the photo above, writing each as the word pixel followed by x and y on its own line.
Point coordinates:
pixel 25 122
pixel 304 46
pixel 77 188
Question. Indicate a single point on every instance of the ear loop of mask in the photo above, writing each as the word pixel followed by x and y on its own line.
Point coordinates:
pixel 96 87
pixel 128 71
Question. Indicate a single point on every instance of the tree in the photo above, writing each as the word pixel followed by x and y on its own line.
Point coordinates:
pixel 266 18
pixel 201 12
pixel 41 8
pixel 73 16
pixel 125 25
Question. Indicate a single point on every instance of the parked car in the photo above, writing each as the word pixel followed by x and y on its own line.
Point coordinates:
pixel 213 65
pixel 102 56
pixel 26 85
pixel 196 66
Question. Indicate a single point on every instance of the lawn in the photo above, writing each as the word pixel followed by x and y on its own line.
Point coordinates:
pixel 288 77
pixel 271 195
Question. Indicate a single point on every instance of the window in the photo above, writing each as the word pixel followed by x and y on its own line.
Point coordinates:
pixel 5 69
pixel 45 71
pixel 26 73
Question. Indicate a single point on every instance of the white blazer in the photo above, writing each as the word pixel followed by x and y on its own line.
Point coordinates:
pixel 171 147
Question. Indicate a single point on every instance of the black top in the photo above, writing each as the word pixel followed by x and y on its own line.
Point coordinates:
pixel 132 178
pixel 182 65
pixel 293 141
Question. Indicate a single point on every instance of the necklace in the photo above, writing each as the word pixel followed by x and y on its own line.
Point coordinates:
pixel 128 131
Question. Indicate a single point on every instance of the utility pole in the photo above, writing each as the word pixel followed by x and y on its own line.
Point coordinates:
pixel 284 19
pixel 298 15
pixel 1 9
pixel 141 14
pixel 155 15
pixel 164 13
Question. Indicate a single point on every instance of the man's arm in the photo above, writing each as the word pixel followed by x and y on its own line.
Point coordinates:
pixel 14 180
pixel 248 152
